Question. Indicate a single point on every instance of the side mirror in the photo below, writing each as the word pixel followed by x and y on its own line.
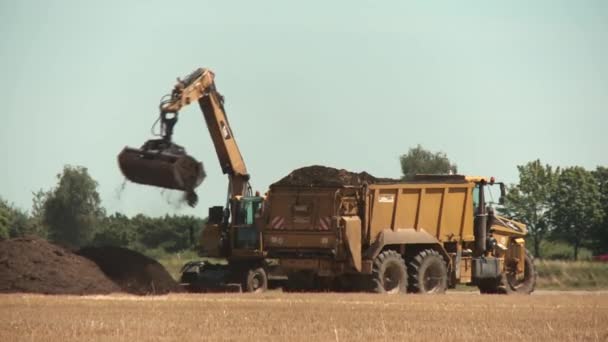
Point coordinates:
pixel 503 193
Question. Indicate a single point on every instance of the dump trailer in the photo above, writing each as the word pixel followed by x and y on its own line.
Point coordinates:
pixel 420 236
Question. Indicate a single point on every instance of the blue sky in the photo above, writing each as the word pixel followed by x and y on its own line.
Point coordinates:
pixel 350 84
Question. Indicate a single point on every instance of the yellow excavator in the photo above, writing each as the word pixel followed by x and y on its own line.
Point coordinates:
pixel 232 232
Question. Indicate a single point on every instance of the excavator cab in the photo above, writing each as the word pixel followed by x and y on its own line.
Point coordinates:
pixel 246 233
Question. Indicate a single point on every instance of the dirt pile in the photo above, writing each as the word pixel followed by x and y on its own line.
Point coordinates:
pixel 133 272
pixel 324 176
pixel 34 265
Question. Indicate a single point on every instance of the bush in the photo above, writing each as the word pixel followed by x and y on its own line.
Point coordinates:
pixel 557 250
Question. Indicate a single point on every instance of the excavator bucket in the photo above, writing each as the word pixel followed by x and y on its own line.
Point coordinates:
pixel 169 168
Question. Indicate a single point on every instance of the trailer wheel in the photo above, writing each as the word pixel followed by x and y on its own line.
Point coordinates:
pixel 428 273
pixel 525 284
pixel 389 273
pixel 256 280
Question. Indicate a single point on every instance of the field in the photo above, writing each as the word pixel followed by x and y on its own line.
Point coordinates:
pixel 276 316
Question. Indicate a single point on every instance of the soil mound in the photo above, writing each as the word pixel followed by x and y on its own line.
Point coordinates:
pixel 323 176
pixel 135 273
pixel 33 265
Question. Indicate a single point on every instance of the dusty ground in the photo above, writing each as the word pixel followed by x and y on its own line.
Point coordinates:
pixel 547 316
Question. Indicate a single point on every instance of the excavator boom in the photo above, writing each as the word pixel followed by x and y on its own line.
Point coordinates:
pixel 162 163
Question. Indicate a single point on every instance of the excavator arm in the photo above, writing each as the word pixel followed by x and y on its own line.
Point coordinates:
pixel 162 163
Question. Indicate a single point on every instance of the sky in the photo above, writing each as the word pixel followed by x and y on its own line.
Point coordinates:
pixel 347 84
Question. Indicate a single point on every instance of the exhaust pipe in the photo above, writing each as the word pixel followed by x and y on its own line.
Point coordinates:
pixel 480 224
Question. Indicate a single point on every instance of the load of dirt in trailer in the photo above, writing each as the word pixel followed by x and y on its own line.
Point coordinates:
pixel 134 272
pixel 323 176
pixel 34 265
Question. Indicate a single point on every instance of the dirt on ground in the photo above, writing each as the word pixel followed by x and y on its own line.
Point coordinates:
pixel 34 265
pixel 323 176
pixel 135 273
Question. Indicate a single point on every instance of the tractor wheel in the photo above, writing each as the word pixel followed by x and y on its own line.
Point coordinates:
pixel 256 280
pixel 389 273
pixel 523 285
pixel 428 273
pixel 509 283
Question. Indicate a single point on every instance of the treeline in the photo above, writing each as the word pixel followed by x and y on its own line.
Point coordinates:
pixel 568 205
pixel 565 209
pixel 71 214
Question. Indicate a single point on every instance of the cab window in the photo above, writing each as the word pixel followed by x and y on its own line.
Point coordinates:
pixel 475 197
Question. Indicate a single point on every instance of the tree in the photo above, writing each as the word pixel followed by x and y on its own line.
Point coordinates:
pixel 419 160
pixel 115 230
pixel 36 218
pixel 600 233
pixel 575 206
pixel 14 222
pixel 5 219
pixel 72 211
pixel 529 200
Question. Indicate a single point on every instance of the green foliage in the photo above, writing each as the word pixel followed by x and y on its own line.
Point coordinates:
pixel 156 235
pixel 115 230
pixel 600 233
pixel 36 217
pixel 72 211
pixel 529 200
pixel 14 222
pixel 418 160
pixel 5 218
pixel 575 207
pixel 560 250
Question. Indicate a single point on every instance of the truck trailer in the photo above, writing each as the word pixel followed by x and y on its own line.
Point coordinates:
pixel 421 236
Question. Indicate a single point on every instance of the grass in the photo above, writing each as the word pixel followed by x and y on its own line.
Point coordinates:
pixel 305 317
pixel 565 275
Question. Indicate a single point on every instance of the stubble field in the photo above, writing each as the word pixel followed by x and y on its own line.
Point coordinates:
pixel 276 316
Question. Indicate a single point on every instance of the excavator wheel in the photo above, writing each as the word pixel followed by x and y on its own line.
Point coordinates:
pixel 256 280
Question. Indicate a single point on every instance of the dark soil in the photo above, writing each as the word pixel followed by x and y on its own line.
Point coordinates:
pixel 323 176
pixel 135 273
pixel 33 265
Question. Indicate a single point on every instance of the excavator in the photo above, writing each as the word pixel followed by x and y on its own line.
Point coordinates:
pixel 232 234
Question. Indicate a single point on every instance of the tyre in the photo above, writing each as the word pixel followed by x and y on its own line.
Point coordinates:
pixel 256 280
pixel 389 274
pixel 509 283
pixel 522 285
pixel 428 273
